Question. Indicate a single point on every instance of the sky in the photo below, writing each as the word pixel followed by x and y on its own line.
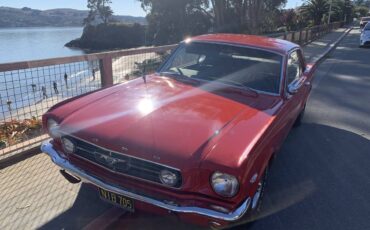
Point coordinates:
pixel 120 7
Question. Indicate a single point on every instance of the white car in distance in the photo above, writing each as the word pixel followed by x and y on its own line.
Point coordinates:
pixel 365 36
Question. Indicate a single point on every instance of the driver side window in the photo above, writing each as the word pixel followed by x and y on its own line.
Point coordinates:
pixel 294 68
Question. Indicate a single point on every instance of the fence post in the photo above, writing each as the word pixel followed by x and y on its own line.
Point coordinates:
pixel 293 36
pixel 284 36
pixel 106 71
pixel 306 40
pixel 300 37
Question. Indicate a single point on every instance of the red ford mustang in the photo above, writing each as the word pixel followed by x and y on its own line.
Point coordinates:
pixel 195 138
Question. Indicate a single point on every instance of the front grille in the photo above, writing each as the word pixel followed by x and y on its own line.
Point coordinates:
pixel 120 163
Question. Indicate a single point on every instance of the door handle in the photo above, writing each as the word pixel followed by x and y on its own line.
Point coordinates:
pixel 307 83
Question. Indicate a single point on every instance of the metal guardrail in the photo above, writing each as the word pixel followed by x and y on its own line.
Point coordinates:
pixel 28 89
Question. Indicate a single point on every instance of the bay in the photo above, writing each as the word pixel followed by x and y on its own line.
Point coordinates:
pixel 24 44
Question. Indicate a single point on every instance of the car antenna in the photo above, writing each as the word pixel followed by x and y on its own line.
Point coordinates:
pixel 144 75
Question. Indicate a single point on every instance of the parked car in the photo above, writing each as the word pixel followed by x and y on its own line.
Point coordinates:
pixel 365 36
pixel 364 21
pixel 195 138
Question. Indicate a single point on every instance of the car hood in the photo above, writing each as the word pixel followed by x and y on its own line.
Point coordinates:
pixel 163 120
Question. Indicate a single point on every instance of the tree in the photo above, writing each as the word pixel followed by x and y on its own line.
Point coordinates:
pixel 315 10
pixel 289 18
pixel 362 11
pixel 99 8
pixel 251 16
pixel 170 21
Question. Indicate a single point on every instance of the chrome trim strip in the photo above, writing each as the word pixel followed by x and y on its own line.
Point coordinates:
pixel 47 148
pixel 127 155
pixel 126 175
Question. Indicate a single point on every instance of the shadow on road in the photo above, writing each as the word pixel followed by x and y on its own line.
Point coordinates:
pixel 87 207
pixel 320 180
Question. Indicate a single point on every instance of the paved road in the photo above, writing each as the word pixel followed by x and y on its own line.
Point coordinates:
pixel 321 177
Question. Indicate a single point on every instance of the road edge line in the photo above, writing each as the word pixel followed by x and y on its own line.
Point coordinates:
pixel 331 48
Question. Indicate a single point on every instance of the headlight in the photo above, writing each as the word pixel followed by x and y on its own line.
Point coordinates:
pixel 68 145
pixel 53 128
pixel 168 178
pixel 224 184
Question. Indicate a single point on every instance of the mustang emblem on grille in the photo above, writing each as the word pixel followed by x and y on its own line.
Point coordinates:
pixel 111 162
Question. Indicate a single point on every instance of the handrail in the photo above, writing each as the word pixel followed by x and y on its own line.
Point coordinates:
pixel 87 57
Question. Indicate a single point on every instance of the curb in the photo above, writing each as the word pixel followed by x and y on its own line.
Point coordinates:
pixel 318 60
pixel 15 158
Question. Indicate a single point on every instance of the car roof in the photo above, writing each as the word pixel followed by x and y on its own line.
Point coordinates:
pixel 365 18
pixel 266 43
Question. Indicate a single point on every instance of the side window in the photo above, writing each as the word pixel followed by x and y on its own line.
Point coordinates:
pixel 294 68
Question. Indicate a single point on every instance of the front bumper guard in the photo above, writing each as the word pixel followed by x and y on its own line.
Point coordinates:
pixel 47 148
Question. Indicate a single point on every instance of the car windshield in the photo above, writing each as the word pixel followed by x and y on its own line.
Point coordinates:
pixel 240 66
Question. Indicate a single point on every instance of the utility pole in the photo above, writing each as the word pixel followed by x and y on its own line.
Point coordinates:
pixel 331 3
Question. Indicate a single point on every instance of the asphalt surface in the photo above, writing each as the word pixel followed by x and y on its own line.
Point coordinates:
pixel 321 177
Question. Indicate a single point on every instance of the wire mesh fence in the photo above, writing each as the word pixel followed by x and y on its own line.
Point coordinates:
pixel 29 89
pixel 25 94
pixel 129 67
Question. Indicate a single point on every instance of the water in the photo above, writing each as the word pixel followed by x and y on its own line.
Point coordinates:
pixel 30 92
pixel 23 44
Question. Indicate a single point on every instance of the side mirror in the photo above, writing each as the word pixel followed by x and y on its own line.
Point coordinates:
pixel 292 89
pixel 295 85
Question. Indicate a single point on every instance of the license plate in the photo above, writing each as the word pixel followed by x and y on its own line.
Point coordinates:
pixel 122 201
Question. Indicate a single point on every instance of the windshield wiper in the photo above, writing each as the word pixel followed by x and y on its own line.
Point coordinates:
pixel 179 76
pixel 238 84
pixel 172 73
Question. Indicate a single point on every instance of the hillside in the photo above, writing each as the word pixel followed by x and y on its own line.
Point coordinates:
pixel 27 17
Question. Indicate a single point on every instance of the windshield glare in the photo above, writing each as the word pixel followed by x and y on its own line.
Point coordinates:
pixel 240 66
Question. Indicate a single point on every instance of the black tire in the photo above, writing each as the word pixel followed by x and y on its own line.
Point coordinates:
pixel 299 119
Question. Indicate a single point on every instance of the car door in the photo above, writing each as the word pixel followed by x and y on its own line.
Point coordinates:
pixel 295 90
pixel 293 102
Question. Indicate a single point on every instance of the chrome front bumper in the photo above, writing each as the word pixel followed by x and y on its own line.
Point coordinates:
pixel 47 147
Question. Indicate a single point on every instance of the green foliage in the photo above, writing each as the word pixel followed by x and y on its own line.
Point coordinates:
pixel 361 11
pixel 362 3
pixel 315 10
pixel 318 10
pixel 289 19
pixel 172 20
pixel 98 8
